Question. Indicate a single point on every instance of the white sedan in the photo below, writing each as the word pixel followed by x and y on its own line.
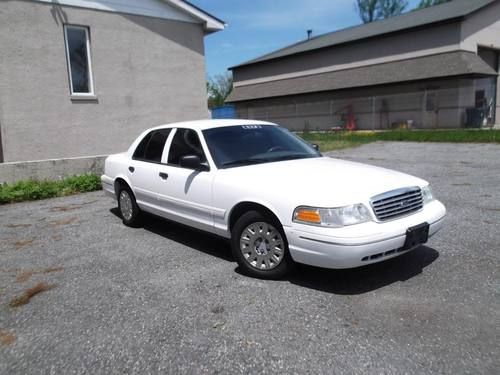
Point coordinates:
pixel 272 194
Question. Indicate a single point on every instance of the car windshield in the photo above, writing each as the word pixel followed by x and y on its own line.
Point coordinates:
pixel 235 146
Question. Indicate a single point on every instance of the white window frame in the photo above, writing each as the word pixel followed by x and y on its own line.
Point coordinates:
pixel 89 61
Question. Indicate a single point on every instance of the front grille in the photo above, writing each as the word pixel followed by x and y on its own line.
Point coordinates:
pixel 396 203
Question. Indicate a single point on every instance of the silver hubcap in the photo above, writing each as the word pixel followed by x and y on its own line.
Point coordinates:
pixel 262 246
pixel 126 205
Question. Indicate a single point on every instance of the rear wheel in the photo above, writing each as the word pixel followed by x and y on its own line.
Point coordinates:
pixel 260 247
pixel 129 210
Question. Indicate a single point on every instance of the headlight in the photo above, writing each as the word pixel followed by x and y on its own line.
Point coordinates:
pixel 427 194
pixel 332 217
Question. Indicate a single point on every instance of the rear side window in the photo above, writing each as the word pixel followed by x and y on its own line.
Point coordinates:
pixel 151 147
pixel 185 142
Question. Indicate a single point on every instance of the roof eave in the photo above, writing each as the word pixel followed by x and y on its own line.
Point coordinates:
pixel 211 23
pixel 432 79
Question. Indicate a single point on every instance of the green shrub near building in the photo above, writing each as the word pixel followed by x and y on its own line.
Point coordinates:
pixel 34 189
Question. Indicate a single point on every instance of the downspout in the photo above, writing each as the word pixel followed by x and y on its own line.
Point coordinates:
pixel 1 144
pixel 1 141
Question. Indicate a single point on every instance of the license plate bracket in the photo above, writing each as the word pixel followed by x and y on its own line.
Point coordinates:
pixel 416 235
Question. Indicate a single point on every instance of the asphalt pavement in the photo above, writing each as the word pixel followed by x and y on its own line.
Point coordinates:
pixel 164 298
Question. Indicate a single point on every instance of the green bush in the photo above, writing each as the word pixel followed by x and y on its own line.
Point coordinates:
pixel 33 189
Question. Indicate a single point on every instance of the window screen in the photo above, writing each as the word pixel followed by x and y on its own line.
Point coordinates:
pixel 185 142
pixel 78 55
pixel 151 147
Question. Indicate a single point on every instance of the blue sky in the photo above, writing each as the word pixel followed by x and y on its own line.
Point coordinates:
pixel 256 27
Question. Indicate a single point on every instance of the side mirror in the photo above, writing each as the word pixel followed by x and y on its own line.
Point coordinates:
pixel 315 146
pixel 193 162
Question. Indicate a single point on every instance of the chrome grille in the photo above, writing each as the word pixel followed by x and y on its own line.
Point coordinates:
pixel 395 203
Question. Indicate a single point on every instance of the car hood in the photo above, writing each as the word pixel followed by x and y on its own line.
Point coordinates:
pixel 322 182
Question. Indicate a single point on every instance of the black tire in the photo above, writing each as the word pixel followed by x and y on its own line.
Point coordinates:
pixel 281 267
pixel 130 214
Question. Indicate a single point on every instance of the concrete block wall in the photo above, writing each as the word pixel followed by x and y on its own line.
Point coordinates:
pixel 52 169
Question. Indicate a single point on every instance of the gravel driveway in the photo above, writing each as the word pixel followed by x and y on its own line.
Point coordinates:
pixel 168 299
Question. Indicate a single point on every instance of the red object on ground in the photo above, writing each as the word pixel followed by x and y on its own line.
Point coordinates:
pixel 351 122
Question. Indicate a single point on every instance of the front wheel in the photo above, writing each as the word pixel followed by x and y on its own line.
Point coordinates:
pixel 260 247
pixel 129 210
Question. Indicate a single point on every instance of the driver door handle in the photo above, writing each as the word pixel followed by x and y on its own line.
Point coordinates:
pixel 163 175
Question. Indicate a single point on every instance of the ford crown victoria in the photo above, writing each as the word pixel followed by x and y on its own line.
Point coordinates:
pixel 276 198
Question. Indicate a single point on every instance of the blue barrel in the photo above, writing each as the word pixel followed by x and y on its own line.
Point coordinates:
pixel 226 111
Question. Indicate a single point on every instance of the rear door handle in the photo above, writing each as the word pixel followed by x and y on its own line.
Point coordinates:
pixel 131 169
pixel 163 175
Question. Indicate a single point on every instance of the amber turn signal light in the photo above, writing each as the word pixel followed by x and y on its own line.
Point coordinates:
pixel 307 215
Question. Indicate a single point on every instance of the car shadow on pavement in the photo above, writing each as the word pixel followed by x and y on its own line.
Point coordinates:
pixel 188 236
pixel 365 279
pixel 345 282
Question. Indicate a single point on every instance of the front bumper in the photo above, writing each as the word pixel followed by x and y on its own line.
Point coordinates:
pixel 361 244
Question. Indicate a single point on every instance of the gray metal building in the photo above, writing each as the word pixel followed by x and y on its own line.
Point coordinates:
pixel 432 68
pixel 81 77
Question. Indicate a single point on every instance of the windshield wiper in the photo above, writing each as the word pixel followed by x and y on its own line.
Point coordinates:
pixel 240 162
pixel 291 157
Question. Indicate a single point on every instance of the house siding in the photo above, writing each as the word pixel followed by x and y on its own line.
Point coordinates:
pixel 483 29
pixel 147 71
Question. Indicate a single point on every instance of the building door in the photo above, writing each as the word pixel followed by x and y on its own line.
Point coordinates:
pixel 490 85
pixel 431 109
pixel 485 98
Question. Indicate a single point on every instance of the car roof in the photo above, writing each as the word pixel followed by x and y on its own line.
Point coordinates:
pixel 210 124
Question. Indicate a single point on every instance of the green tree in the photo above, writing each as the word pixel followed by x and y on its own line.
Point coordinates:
pixel 389 8
pixel 367 10
pixel 372 10
pixel 430 3
pixel 218 89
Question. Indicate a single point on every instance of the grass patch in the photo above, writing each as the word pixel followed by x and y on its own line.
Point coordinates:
pixel 343 139
pixel 29 293
pixel 33 189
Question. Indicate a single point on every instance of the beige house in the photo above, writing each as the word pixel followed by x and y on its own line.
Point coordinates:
pixel 432 68
pixel 85 77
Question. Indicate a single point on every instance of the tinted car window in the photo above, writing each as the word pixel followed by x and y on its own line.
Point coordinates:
pixel 151 147
pixel 234 146
pixel 185 142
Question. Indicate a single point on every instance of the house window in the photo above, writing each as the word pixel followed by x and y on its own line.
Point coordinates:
pixel 79 64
